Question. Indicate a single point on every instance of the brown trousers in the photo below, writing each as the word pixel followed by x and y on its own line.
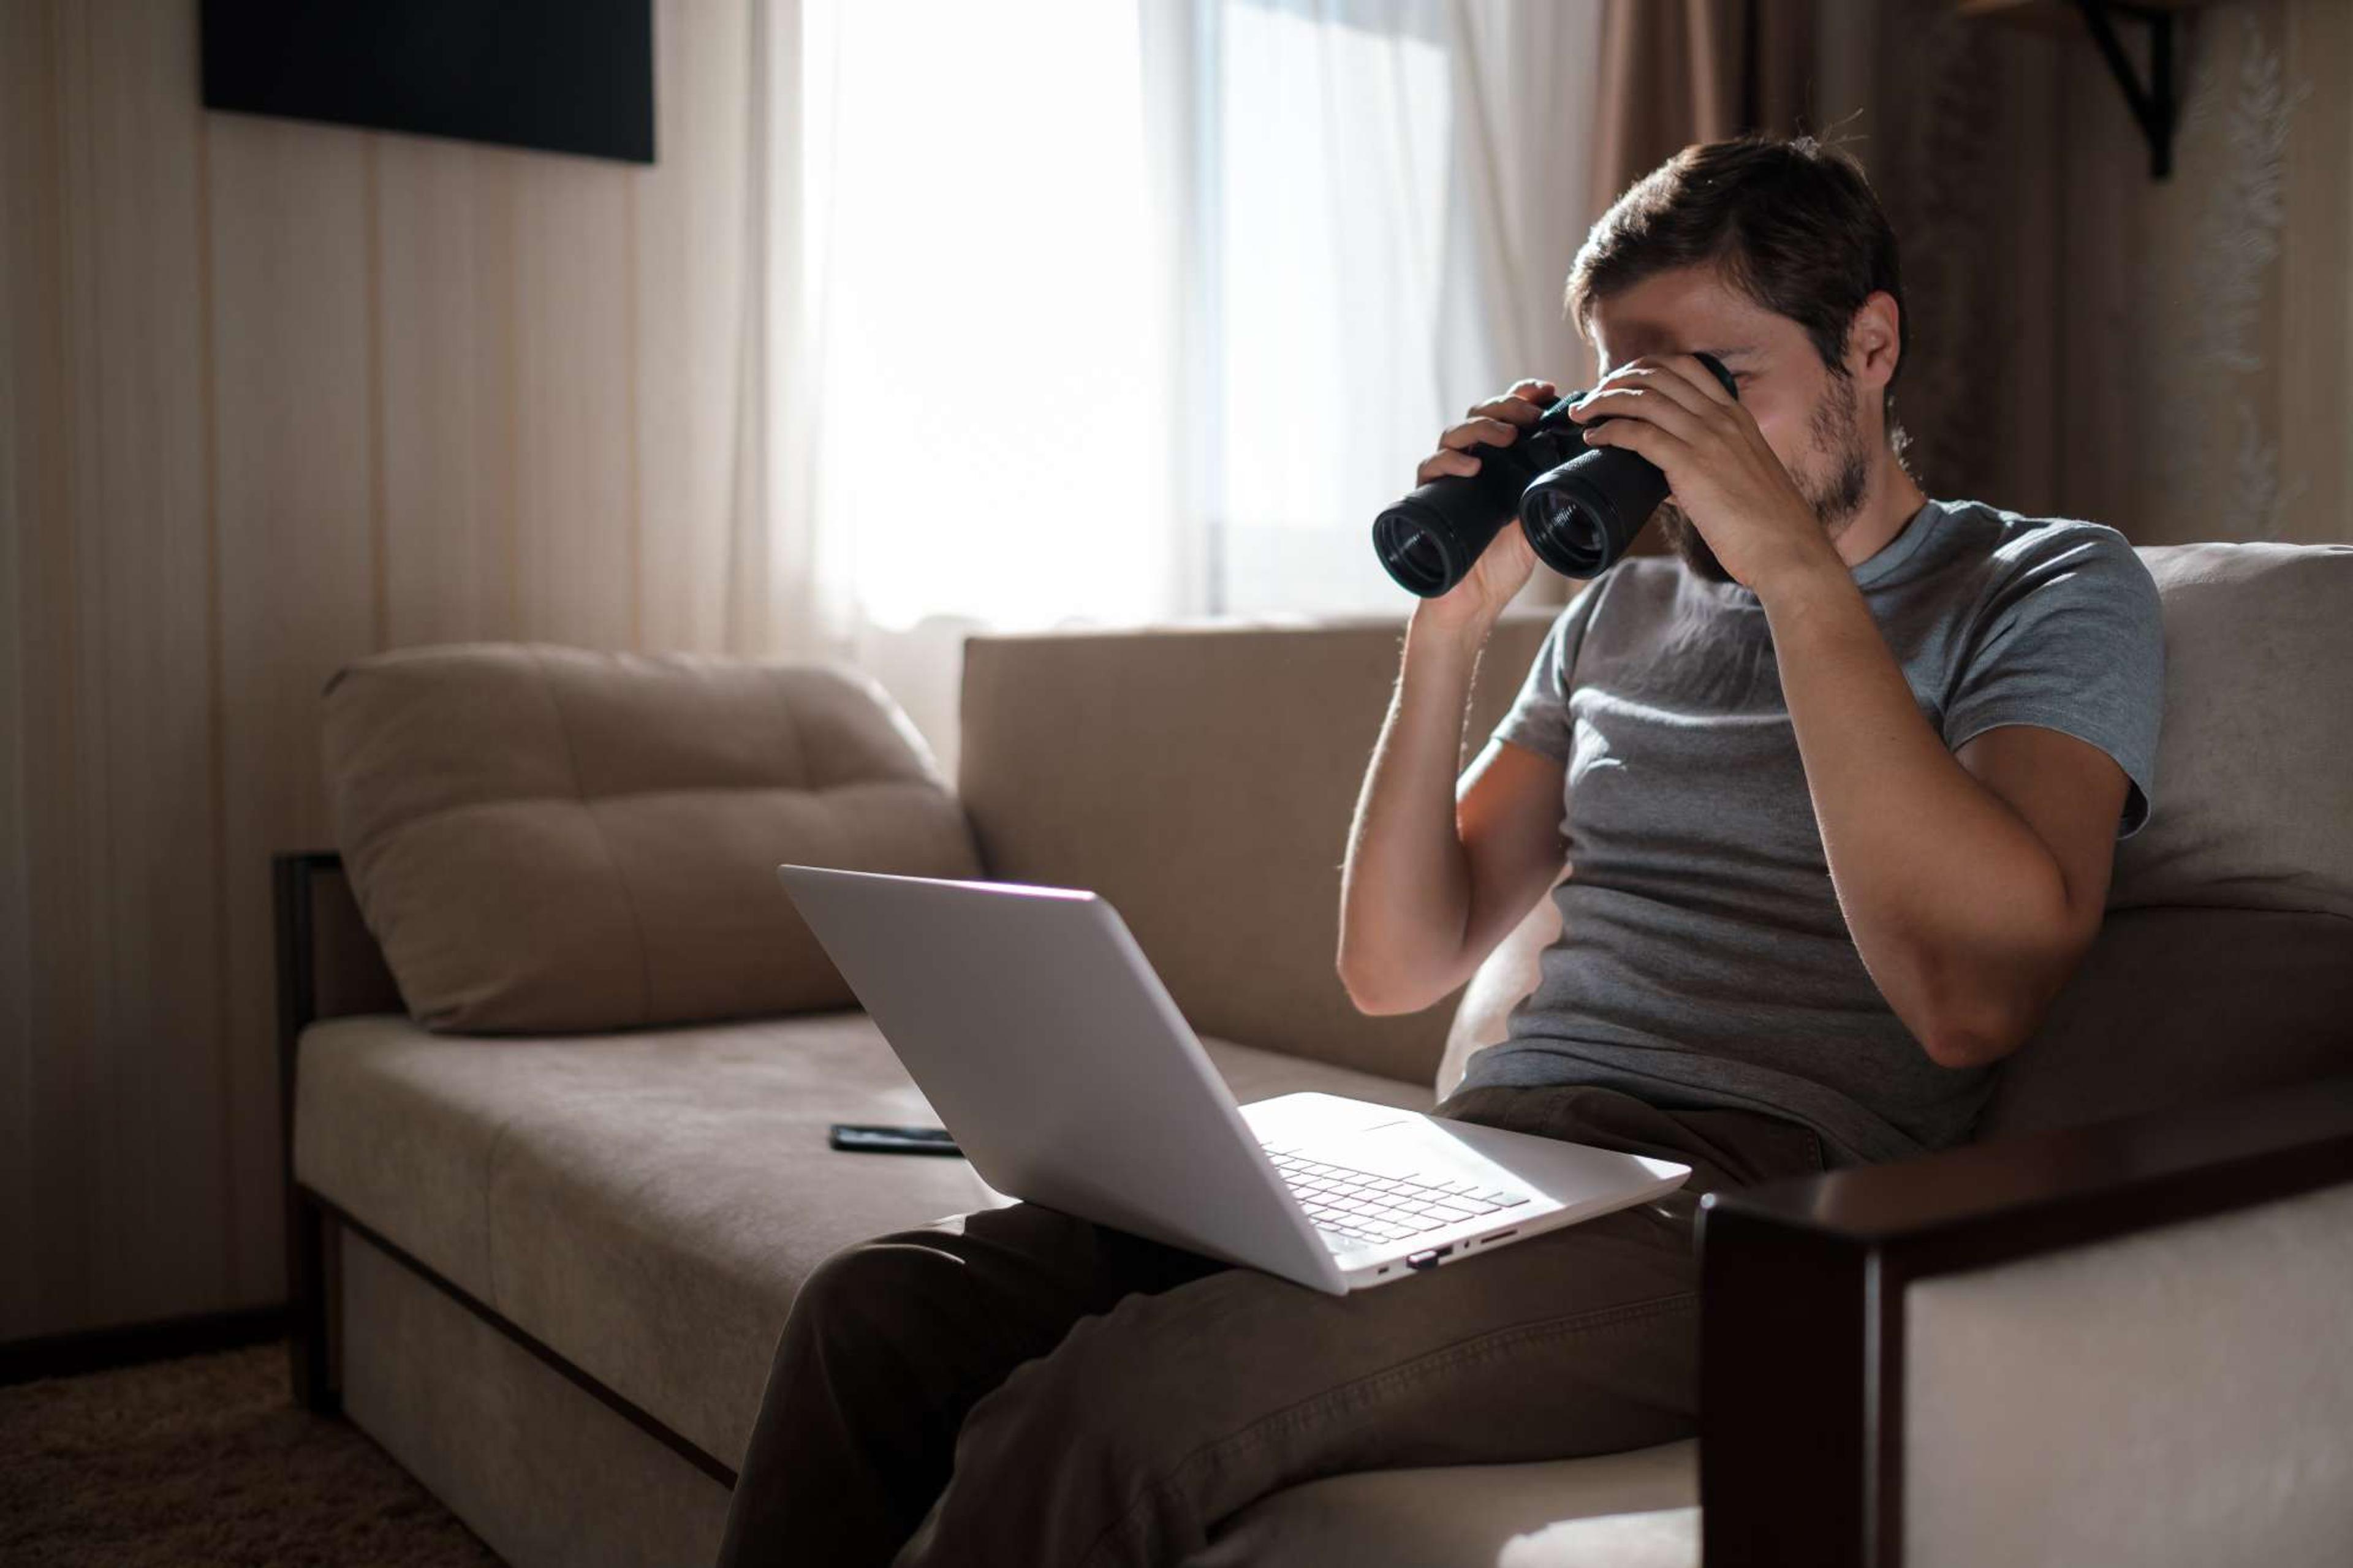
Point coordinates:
pixel 1019 1387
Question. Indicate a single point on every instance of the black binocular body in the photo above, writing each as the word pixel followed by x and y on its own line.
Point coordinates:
pixel 1580 506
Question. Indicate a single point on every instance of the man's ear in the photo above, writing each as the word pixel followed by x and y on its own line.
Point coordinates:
pixel 1873 343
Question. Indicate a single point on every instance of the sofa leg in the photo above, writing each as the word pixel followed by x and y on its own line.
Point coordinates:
pixel 310 1240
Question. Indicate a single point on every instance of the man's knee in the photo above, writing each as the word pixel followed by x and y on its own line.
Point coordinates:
pixel 1126 1399
pixel 885 1298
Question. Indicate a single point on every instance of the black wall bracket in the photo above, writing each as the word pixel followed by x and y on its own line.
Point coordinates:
pixel 2155 106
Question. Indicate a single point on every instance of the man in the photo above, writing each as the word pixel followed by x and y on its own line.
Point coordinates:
pixel 1838 787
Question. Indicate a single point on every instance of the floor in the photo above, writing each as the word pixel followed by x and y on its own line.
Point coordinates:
pixel 206 1460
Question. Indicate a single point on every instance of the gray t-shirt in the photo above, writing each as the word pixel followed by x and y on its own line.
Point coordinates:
pixel 1703 959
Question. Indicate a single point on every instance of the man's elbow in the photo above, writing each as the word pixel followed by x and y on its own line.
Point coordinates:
pixel 1979 1037
pixel 1372 1004
pixel 1958 1047
pixel 1990 1014
pixel 1379 1001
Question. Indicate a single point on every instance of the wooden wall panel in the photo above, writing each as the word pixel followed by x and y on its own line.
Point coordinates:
pixel 45 906
pixel 279 395
pixel 22 108
pixel 690 216
pixel 147 820
pixel 298 582
pixel 444 274
pixel 574 522
pixel 116 1049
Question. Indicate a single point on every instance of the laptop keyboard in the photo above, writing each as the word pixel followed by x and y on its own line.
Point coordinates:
pixel 1357 1208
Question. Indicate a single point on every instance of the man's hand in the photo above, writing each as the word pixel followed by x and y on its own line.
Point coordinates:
pixel 1507 562
pixel 1719 466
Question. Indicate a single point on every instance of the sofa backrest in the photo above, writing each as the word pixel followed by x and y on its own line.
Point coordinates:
pixel 1202 778
pixel 2255 759
pixel 2226 961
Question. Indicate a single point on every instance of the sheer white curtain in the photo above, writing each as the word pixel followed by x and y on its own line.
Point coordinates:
pixel 1400 188
pixel 1078 312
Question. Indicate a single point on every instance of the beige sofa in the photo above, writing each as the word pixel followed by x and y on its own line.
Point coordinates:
pixel 546 1271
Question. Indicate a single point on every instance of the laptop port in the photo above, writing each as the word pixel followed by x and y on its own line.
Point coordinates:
pixel 1499 1235
pixel 1428 1259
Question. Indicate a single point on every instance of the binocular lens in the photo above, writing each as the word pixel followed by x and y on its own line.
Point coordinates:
pixel 1580 506
pixel 1415 554
pixel 1564 533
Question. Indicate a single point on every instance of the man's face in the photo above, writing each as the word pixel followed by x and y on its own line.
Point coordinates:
pixel 1811 419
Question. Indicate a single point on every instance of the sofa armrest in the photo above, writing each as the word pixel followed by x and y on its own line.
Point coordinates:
pixel 1804 1282
pixel 327 966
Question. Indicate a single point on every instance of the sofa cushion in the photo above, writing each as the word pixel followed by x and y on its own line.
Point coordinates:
pixel 1657 1538
pixel 543 839
pixel 646 1204
pixel 2173 1006
pixel 1440 1516
pixel 2253 806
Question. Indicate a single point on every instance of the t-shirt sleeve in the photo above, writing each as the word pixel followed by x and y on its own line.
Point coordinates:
pixel 2072 640
pixel 1538 718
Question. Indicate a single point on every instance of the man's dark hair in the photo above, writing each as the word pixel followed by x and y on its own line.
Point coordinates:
pixel 1792 225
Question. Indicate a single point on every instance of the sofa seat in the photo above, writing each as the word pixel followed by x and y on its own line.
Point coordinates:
pixel 646 1203
pixel 1477 1516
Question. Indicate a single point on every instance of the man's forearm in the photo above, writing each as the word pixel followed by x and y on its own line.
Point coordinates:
pixel 1405 890
pixel 1954 902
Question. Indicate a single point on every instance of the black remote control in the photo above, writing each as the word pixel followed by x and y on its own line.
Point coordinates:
pixel 891 1140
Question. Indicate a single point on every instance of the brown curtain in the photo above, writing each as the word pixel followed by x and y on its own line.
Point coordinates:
pixel 2171 357
pixel 1671 74
pixel 2174 357
pixel 1678 71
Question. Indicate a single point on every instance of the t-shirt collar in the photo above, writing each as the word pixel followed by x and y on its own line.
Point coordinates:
pixel 1884 563
pixel 1891 556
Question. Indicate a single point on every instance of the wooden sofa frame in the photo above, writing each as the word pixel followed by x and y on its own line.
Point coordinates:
pixel 1802 1293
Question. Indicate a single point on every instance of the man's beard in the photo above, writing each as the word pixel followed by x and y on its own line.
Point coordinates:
pixel 1835 499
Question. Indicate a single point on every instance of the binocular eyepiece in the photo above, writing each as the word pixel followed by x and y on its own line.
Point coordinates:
pixel 1580 506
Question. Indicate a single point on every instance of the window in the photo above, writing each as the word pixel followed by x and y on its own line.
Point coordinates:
pixel 979 260
pixel 1335 137
pixel 1126 311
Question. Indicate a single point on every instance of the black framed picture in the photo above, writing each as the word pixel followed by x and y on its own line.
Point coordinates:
pixel 564 75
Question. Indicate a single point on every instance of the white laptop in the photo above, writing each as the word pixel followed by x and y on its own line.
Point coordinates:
pixel 1039 1034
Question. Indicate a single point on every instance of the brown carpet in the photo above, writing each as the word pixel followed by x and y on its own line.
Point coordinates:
pixel 206 1460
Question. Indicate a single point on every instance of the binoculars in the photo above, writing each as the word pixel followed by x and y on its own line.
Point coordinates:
pixel 1580 506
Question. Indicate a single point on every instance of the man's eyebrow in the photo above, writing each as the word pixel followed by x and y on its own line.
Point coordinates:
pixel 1744 352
